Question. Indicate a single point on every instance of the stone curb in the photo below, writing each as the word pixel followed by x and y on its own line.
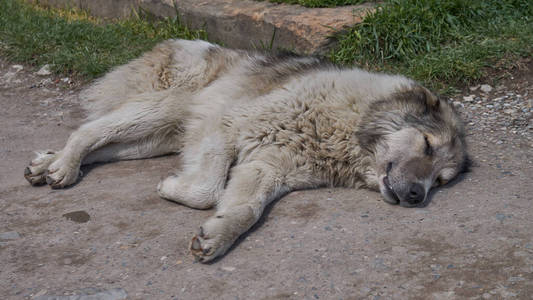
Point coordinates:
pixel 242 23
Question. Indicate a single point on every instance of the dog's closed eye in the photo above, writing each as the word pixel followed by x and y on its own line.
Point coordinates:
pixel 428 150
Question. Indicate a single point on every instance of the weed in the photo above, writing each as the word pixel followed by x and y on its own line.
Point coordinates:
pixel 320 3
pixel 440 42
pixel 77 44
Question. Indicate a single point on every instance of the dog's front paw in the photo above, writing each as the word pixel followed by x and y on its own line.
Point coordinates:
pixel 35 173
pixel 61 174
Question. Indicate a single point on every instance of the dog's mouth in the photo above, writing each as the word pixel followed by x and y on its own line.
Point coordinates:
pixel 388 193
pixel 386 190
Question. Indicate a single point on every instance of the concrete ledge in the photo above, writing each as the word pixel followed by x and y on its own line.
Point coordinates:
pixel 241 23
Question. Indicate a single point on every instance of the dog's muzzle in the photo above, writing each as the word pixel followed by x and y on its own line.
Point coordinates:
pixel 416 194
pixel 409 195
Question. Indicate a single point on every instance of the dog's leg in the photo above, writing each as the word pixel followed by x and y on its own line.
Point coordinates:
pixel 147 148
pixel 35 173
pixel 135 121
pixel 251 187
pixel 204 173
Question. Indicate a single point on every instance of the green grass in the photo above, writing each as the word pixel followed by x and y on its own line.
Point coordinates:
pixel 76 44
pixel 440 42
pixel 320 3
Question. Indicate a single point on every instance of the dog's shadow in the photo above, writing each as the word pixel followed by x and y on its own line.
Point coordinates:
pixel 448 185
pixel 268 209
pixel 85 170
pixel 241 238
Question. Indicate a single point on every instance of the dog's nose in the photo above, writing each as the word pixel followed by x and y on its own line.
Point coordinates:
pixel 416 194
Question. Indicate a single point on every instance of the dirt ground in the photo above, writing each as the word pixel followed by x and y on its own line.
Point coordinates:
pixel 110 235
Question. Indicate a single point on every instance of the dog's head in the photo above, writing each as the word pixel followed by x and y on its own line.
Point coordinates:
pixel 417 141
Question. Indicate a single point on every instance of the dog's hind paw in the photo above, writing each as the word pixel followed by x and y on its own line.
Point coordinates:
pixel 205 248
pixel 35 173
pixel 61 174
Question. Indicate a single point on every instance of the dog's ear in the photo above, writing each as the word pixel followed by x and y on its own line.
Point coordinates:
pixel 430 99
pixel 423 100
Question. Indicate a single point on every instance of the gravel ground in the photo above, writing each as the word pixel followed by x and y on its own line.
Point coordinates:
pixel 502 110
pixel 111 237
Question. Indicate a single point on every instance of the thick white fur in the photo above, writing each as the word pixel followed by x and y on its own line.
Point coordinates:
pixel 268 136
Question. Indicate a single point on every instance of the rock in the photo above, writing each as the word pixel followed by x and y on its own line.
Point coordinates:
pixel 469 98
pixel 79 216
pixel 443 295
pixel 515 279
pixel 40 293
pixel 8 77
pixel 10 235
pixel 45 82
pixel 44 70
pixel 509 111
pixel 474 88
pixel 112 294
pixel 245 24
pixel 17 68
pixel 485 88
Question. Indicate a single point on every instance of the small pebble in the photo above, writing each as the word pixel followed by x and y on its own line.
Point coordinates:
pixel 17 68
pixel 500 217
pixel 469 98
pixel 509 111
pixel 44 70
pixel 485 88
pixel 112 294
pixel 10 235
pixel 515 279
